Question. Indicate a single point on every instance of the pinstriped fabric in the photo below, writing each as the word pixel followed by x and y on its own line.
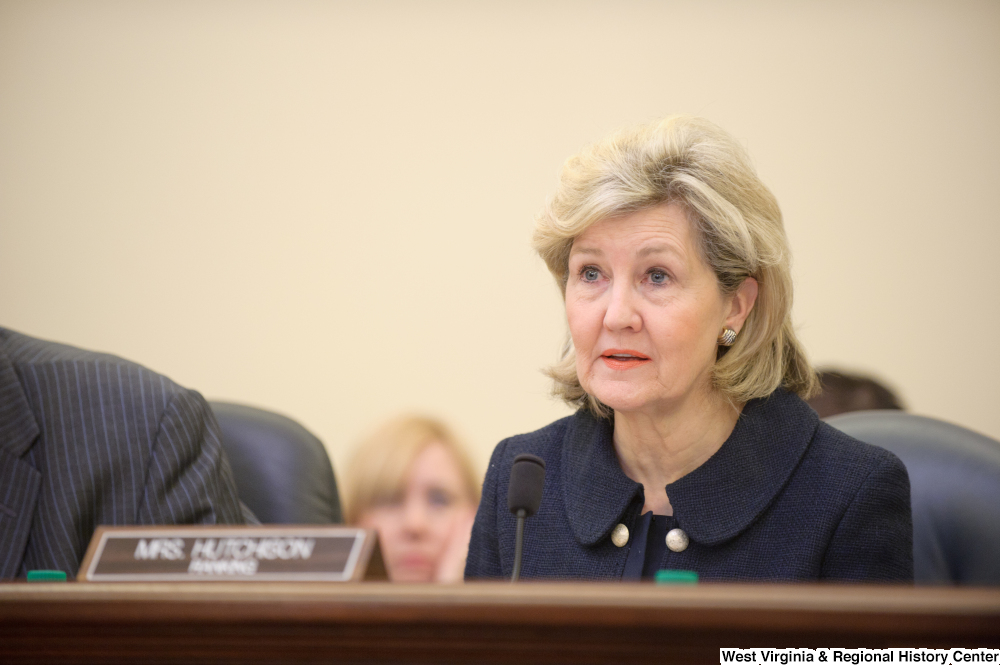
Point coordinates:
pixel 18 496
pixel 110 443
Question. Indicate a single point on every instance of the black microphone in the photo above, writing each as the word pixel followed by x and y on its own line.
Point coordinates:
pixel 524 494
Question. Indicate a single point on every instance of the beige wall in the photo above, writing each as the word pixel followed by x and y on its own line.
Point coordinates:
pixel 324 207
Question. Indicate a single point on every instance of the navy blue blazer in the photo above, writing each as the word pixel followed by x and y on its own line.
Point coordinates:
pixel 787 497
pixel 89 439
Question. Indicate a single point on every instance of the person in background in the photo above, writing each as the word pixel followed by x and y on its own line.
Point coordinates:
pixel 841 392
pixel 413 482
pixel 691 447
pixel 88 439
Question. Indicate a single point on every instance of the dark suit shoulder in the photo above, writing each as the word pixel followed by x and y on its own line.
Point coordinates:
pixel 94 379
pixel 868 494
pixel 24 351
pixel 851 460
pixel 545 442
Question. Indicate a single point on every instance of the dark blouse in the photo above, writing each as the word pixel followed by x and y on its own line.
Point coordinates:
pixel 645 557
pixel 786 497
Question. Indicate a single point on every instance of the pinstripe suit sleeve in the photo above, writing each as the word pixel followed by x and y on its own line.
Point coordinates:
pixel 188 480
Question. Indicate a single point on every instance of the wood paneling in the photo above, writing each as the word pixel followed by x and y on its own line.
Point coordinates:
pixel 482 623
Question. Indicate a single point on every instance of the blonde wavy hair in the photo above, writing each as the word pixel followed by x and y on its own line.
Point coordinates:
pixel 377 472
pixel 693 163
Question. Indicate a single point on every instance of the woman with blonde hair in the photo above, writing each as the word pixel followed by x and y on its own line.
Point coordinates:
pixel 691 447
pixel 413 482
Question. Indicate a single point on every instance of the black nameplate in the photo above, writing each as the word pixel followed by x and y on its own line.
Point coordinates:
pixel 194 553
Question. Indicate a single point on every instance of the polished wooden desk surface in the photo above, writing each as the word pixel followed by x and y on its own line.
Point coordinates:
pixel 477 623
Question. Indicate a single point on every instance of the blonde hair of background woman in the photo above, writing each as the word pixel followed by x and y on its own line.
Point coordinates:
pixel 377 473
pixel 691 162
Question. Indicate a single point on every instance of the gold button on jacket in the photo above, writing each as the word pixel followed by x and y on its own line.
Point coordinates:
pixel 677 540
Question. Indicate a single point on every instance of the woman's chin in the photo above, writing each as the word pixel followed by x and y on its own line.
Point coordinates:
pixel 653 397
pixel 408 574
pixel 412 569
pixel 623 398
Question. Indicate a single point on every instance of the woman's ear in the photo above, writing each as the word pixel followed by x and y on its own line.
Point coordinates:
pixel 742 304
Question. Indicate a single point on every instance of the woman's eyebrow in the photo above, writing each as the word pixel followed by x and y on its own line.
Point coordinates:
pixel 593 251
pixel 657 249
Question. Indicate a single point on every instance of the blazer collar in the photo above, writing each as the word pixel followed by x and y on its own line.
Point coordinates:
pixel 596 491
pixel 713 503
pixel 18 428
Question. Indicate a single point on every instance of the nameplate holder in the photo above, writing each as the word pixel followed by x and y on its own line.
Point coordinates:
pixel 307 553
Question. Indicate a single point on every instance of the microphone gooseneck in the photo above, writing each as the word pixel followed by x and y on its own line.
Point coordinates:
pixel 518 545
pixel 524 495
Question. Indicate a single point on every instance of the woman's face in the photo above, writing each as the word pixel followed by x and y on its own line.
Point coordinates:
pixel 645 311
pixel 420 529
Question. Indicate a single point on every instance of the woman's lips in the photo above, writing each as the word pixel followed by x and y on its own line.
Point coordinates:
pixel 414 561
pixel 623 359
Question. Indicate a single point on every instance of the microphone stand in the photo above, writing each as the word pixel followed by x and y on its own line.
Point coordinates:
pixel 518 544
pixel 524 494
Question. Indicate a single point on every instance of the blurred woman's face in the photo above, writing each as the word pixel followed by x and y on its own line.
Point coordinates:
pixel 645 311
pixel 424 532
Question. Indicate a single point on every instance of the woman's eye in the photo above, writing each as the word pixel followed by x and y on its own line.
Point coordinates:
pixel 439 498
pixel 591 274
pixel 657 276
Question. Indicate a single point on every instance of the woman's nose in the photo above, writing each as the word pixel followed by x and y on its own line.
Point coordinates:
pixel 414 516
pixel 621 313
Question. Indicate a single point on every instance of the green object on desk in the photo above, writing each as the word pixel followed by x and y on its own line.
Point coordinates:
pixel 46 576
pixel 676 577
